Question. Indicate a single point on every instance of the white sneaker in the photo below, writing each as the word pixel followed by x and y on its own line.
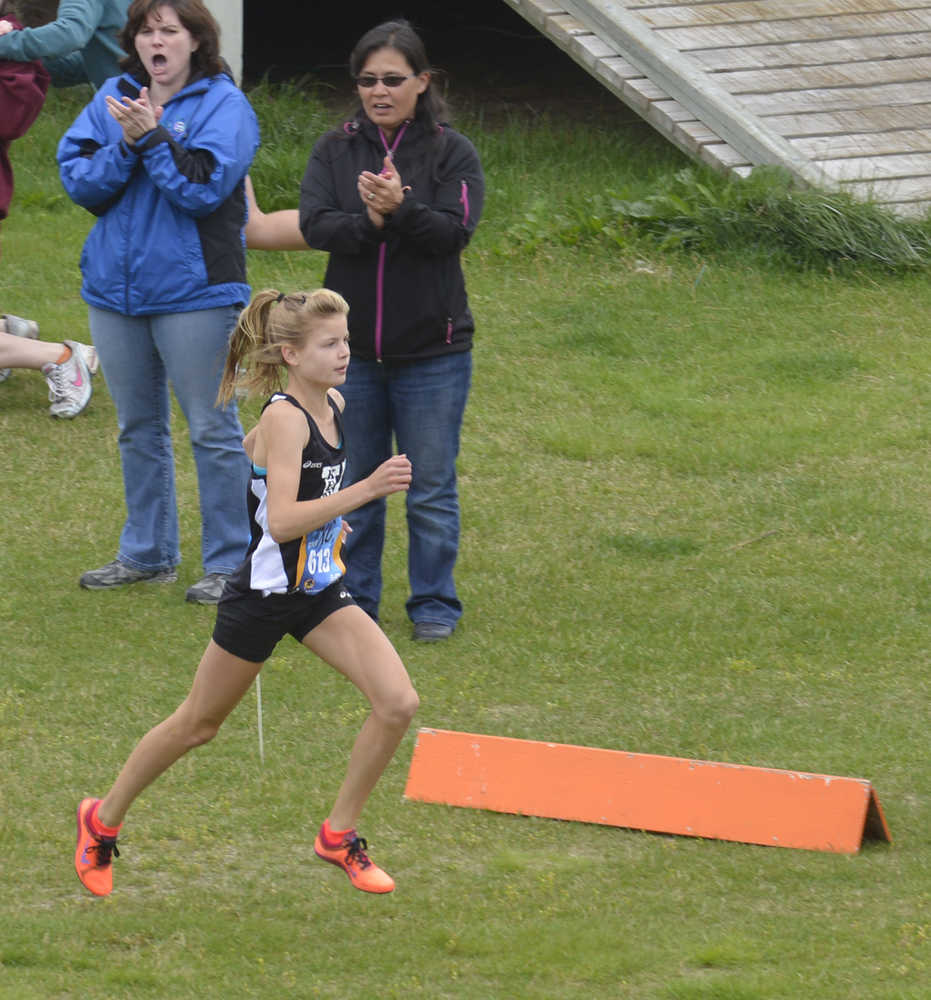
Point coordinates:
pixel 89 354
pixel 69 383
pixel 90 357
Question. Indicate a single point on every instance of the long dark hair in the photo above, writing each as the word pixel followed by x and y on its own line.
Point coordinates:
pixel 400 35
pixel 194 16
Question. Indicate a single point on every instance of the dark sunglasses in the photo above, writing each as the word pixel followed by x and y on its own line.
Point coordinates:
pixel 392 80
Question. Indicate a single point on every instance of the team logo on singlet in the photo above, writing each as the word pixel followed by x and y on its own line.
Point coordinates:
pixel 332 476
pixel 320 563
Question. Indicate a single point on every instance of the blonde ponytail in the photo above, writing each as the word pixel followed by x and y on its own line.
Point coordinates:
pixel 269 322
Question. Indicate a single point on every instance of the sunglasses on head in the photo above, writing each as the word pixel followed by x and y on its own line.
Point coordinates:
pixel 392 80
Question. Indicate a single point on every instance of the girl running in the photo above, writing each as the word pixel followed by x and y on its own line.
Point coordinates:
pixel 289 582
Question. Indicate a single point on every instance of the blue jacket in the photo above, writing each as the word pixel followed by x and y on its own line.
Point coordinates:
pixel 79 46
pixel 171 208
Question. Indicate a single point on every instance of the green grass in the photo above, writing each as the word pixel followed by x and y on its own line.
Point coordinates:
pixel 695 505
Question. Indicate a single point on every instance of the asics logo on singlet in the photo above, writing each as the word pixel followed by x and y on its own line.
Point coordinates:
pixel 312 465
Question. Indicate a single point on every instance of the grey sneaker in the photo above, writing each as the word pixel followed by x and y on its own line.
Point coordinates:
pixel 208 589
pixel 69 384
pixel 431 631
pixel 116 574
pixel 18 327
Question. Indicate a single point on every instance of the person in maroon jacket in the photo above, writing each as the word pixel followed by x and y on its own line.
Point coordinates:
pixel 23 86
pixel 68 366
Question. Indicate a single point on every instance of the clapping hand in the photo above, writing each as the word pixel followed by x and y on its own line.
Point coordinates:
pixel 381 193
pixel 135 117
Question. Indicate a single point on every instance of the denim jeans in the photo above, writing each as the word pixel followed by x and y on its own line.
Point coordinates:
pixel 420 403
pixel 140 356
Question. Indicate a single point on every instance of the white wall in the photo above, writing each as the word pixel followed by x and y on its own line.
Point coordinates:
pixel 229 15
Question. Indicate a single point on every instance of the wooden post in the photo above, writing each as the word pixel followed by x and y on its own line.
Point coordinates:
pixel 229 14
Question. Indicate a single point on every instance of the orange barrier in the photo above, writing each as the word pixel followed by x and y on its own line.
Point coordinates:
pixel 695 798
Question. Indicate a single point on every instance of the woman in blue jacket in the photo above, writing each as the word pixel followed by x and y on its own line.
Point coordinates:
pixel 160 156
pixel 394 197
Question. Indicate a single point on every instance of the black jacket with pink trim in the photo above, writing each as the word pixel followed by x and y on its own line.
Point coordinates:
pixel 404 283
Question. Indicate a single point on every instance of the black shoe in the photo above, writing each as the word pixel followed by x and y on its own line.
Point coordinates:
pixel 116 574
pixel 431 631
pixel 208 589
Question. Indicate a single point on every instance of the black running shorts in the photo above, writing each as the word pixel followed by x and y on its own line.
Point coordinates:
pixel 250 626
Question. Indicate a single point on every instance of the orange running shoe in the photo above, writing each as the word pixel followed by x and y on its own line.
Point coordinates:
pixel 92 859
pixel 351 857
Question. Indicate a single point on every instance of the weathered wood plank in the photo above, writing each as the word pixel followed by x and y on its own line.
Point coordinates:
pixel 906 210
pixel 588 49
pixel 841 98
pixel 824 6
pixel 720 155
pixel 834 50
pixel 575 38
pixel 800 30
pixel 865 144
pixel 877 119
pixel 565 25
pixel 906 189
pixel 676 15
pixel 673 110
pixel 699 133
pixel 638 93
pixel 767 8
pixel 864 168
pixel 537 11
pixel 794 78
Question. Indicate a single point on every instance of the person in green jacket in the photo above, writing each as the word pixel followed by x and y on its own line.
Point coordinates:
pixel 78 46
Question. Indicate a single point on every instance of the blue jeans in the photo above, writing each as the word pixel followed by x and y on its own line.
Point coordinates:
pixel 139 356
pixel 420 403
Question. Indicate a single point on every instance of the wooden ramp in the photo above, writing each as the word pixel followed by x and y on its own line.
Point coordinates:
pixel 836 91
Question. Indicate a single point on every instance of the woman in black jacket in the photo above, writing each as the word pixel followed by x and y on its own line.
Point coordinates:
pixel 394 196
